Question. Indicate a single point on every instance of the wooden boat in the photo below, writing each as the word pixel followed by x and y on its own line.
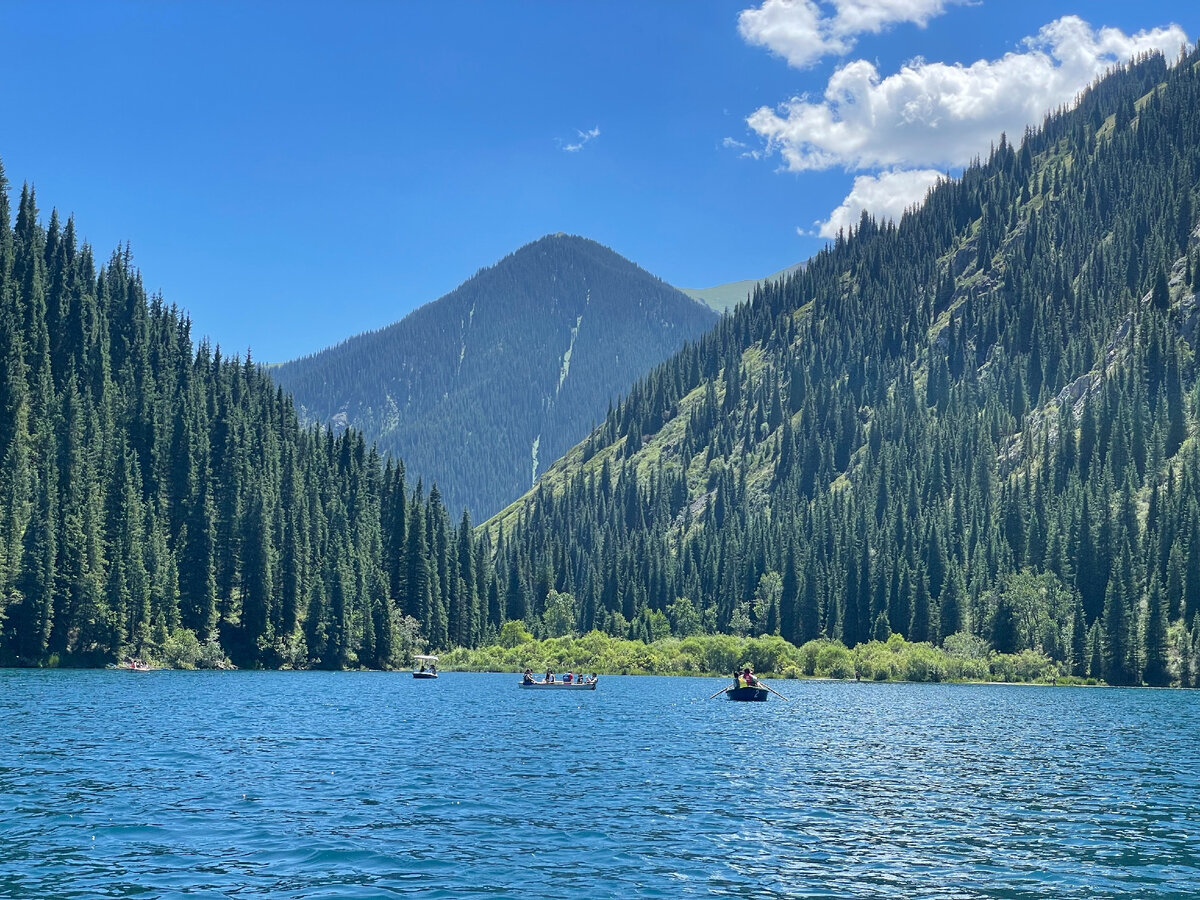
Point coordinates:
pixel 746 693
pixel 558 685
pixel 425 667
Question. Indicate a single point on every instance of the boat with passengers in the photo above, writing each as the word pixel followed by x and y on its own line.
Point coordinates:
pixel 425 666
pixel 746 687
pixel 568 682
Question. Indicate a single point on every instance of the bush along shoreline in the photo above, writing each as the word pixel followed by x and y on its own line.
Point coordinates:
pixel 963 658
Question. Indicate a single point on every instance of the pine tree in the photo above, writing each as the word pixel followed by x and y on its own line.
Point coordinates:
pixel 1079 644
pixel 1156 672
pixel 1116 627
pixel 918 630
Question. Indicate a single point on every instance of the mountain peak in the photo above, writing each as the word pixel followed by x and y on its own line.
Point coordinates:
pixel 482 388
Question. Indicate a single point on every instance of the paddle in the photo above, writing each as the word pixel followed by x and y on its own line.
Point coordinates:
pixel 762 683
pixel 719 693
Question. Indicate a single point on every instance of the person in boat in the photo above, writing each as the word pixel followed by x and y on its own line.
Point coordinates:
pixel 528 676
pixel 433 668
pixel 423 667
pixel 748 677
pixel 595 677
pixel 549 676
pixel 569 677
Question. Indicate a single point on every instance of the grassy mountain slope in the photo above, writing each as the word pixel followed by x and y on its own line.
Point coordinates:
pixel 977 426
pixel 479 390
pixel 724 297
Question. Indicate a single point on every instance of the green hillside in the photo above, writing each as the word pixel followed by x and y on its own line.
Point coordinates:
pixel 724 297
pixel 980 421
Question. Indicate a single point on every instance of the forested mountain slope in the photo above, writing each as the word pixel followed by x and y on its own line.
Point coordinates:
pixel 980 422
pixel 480 390
pixel 159 500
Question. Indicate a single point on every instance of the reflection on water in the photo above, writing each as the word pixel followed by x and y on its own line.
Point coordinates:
pixel 305 785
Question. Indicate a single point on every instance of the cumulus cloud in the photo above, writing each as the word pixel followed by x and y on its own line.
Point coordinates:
pixel 801 32
pixel 926 115
pixel 885 196
pixel 585 137
pixel 937 114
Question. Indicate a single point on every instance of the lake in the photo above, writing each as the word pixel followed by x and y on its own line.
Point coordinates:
pixel 374 785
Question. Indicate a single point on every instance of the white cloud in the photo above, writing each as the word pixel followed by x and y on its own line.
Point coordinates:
pixel 935 114
pixel 584 138
pixel 791 28
pixel 801 33
pixel 857 16
pixel 744 150
pixel 886 196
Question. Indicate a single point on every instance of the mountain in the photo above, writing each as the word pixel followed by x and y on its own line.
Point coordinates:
pixel 976 427
pixel 724 297
pixel 480 390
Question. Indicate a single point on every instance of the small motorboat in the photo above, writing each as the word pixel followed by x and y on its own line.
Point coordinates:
pixel 425 666
pixel 746 693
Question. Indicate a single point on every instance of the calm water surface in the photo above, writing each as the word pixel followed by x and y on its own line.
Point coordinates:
pixel 364 785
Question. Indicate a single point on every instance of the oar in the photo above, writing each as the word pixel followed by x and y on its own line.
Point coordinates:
pixel 719 693
pixel 762 683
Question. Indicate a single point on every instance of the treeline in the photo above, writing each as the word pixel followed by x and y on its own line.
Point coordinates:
pixel 979 421
pixel 162 501
pixel 482 389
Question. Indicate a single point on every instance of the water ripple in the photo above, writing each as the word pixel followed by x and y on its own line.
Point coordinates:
pixel 305 785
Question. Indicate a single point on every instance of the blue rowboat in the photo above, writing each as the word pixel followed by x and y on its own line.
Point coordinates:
pixel 746 693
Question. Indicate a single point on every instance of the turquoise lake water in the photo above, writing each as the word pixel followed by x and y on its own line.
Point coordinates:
pixel 365 785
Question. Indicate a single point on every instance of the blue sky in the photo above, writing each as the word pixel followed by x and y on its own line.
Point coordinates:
pixel 295 173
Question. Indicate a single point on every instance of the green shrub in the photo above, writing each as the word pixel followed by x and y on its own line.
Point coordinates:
pixel 717 654
pixel 966 646
pixel 513 634
pixel 834 661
